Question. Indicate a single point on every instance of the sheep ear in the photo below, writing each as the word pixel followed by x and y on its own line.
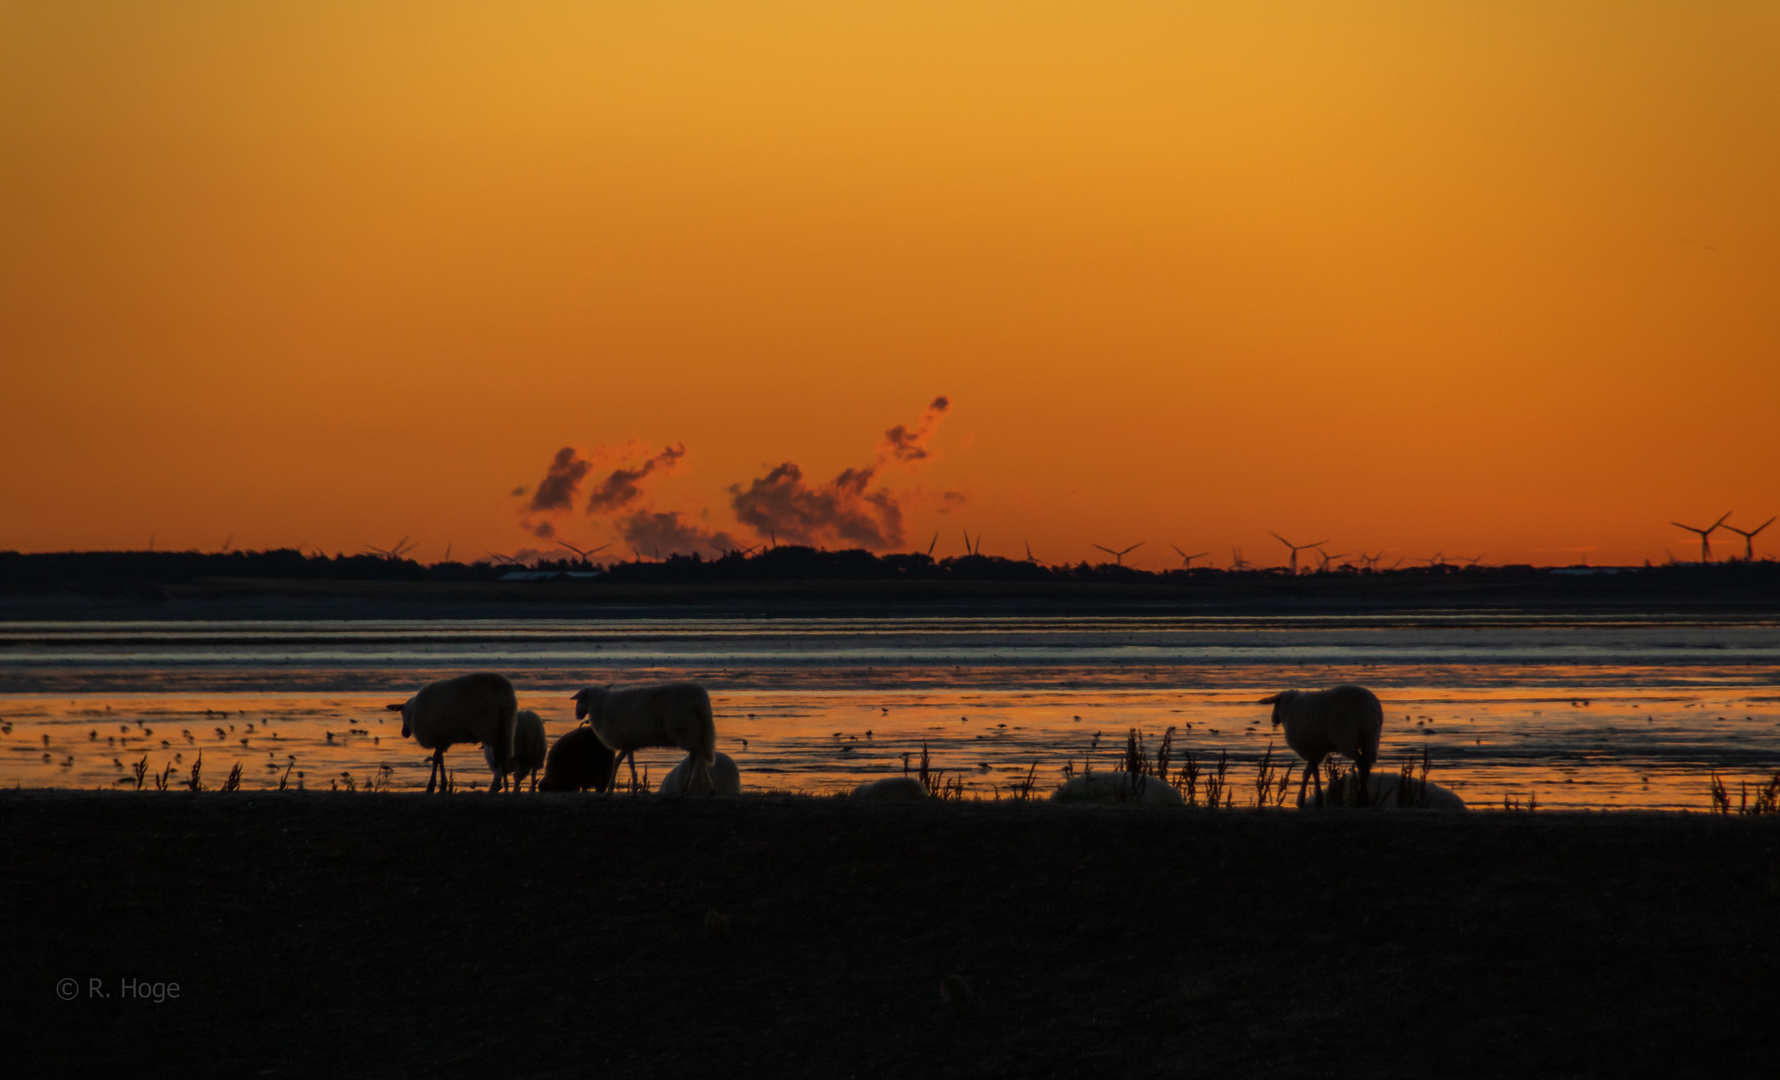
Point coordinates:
pixel 395 708
pixel 1274 700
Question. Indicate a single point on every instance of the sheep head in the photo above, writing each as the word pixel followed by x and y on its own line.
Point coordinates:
pixel 1278 700
pixel 587 701
pixel 406 708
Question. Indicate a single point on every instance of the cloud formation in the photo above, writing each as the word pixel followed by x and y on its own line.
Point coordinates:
pixel 561 480
pixel 845 510
pixel 855 509
pixel 901 444
pixel 623 487
pixel 664 533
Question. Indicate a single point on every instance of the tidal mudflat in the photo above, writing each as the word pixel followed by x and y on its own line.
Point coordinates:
pixel 1575 712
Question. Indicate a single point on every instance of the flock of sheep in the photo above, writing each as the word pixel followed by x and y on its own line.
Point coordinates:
pixel 482 708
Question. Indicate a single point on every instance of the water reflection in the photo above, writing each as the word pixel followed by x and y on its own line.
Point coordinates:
pixel 1622 712
pixel 1632 748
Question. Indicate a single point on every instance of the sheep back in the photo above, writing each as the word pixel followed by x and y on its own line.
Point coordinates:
pixel 1117 787
pixel 476 708
pixel 672 714
pixel 529 746
pixel 1388 791
pixel 724 776
pixel 578 761
pixel 890 789
pixel 1345 719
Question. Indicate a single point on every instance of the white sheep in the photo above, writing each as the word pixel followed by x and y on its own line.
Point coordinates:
pixel 578 761
pixel 529 746
pixel 891 788
pixel 674 714
pixel 1387 791
pixel 1345 719
pixel 476 708
pixel 723 774
pixel 1117 787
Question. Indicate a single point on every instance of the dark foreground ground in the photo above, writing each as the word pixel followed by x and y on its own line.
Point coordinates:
pixel 393 935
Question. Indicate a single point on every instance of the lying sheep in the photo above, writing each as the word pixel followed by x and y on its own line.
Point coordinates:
pixel 1345 719
pixel 528 752
pixel 1388 791
pixel 577 762
pixel 475 708
pixel 723 774
pixel 1117 787
pixel 891 788
pixel 674 714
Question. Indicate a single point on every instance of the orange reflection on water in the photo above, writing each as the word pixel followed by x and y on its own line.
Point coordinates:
pixel 1582 748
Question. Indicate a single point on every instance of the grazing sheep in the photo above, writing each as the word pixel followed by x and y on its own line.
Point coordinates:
pixel 726 778
pixel 475 708
pixel 577 762
pixel 891 789
pixel 1345 719
pixel 1117 787
pixel 1388 791
pixel 528 752
pixel 674 714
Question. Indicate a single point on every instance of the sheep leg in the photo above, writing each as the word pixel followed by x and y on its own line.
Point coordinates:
pixel 438 763
pixel 632 758
pixel 1304 782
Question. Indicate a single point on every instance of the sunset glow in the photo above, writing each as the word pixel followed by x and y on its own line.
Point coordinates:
pixel 1496 278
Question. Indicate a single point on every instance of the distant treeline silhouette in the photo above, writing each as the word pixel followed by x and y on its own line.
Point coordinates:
pixel 116 571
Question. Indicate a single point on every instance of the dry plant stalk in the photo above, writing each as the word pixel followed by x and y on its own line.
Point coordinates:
pixel 1767 797
pixel 1186 778
pixel 1022 791
pixel 1217 783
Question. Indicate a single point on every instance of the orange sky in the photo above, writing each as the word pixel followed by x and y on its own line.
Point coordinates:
pixel 1479 277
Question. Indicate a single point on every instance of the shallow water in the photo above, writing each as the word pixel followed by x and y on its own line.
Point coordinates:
pixel 1623 711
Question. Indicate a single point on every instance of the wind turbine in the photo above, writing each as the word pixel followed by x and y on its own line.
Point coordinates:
pixel 1029 556
pixel 1705 535
pixel 394 552
pixel 1324 558
pixel 970 549
pixel 584 554
pixel 1186 560
pixel 1119 556
pixel 1237 562
pixel 1473 560
pixel 1438 559
pixel 1296 548
pixel 1371 561
pixel 1749 538
pixel 931 543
